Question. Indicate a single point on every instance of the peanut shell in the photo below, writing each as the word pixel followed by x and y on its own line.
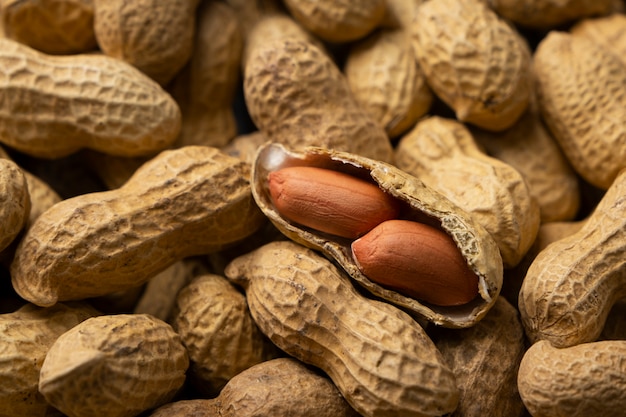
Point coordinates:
pixel 586 380
pixel 14 202
pixel 212 318
pixel 338 20
pixel 114 366
pixel 421 204
pixel 386 80
pixel 581 91
pixel 485 360
pixel 154 36
pixel 444 155
pixel 27 335
pixel 609 32
pixel 547 14
pixel 296 95
pixel 474 61
pixel 184 202
pixel 55 105
pixel 380 359
pixel 572 284
pixel 61 27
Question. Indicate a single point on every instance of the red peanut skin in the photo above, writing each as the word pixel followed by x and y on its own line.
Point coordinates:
pixel 330 201
pixel 417 260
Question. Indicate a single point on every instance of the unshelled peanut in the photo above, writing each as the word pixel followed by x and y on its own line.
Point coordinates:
pixel 582 98
pixel 310 310
pixel 338 20
pixel 572 284
pixel 154 36
pixel 55 105
pixel 53 26
pixel 586 380
pixel 188 201
pixel 114 366
pixel 14 202
pixel 608 31
pixel 474 61
pixel 26 336
pixel 214 323
pixel 277 387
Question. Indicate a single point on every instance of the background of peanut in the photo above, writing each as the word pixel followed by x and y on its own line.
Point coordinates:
pixel 520 106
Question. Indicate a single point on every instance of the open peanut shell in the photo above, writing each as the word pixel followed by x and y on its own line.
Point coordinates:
pixel 419 203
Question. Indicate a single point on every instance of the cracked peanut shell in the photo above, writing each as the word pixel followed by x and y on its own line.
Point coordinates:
pixel 419 202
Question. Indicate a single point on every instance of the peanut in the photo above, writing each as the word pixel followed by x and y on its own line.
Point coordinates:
pixel 417 203
pixel 210 78
pixel 54 26
pixel 444 155
pixel 14 202
pixel 212 318
pixel 575 77
pixel 155 37
pixel 245 146
pixel 583 380
pixel 485 360
pixel 547 14
pixel 119 366
pixel 309 309
pixel 330 201
pixel 417 260
pixel 189 201
pixel 386 80
pixel 572 284
pixel 55 105
pixel 338 20
pixel 609 32
pixel 27 335
pixel 474 61
pixel 296 95
pixel 277 387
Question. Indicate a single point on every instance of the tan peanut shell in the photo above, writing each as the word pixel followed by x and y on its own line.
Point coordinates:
pixel 154 36
pixel 387 81
pixel 338 20
pixel 245 146
pixel 61 27
pixel 212 318
pixel 608 31
pixel 400 13
pixel 158 298
pixel 56 105
pixel 572 284
pixel 444 155
pixel 296 95
pixel 114 366
pixel 550 178
pixel 210 79
pixel 14 202
pixel 250 12
pixel 615 327
pixel 380 359
pixel 421 204
pixel 574 76
pixel 485 359
pixel 474 61
pixel 188 201
pixel 277 387
pixel 113 171
pixel 27 334
pixel 547 14
pixel 586 380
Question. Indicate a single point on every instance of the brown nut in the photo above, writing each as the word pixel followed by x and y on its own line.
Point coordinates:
pixel 419 203
pixel 417 260
pixel 330 201
pixel 14 202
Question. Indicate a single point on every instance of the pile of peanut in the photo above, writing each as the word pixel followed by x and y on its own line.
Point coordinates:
pixel 377 208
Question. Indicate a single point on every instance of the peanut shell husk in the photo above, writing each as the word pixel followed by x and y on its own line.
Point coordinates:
pixel 420 203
